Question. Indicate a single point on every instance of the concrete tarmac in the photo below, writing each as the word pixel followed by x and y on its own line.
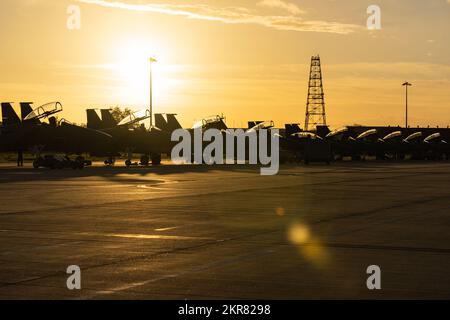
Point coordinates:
pixel 226 232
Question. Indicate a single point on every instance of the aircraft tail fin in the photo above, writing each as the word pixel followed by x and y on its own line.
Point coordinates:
pixel 322 131
pixel 26 109
pixel 252 124
pixel 93 120
pixel 172 122
pixel 292 128
pixel 9 116
pixel 160 122
pixel 108 120
pixel 169 125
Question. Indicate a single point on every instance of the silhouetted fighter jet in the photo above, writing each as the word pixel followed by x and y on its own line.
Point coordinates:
pixel 129 138
pixel 37 136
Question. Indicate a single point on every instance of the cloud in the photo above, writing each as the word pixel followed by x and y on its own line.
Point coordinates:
pixel 235 15
pixel 289 7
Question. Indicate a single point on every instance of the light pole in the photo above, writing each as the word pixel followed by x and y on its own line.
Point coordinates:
pixel 407 84
pixel 151 60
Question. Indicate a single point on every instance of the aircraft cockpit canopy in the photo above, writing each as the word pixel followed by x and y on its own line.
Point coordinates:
pixel 337 132
pixel 261 126
pixel 367 134
pixel 393 135
pixel 44 111
pixel 135 117
pixel 413 136
pixel 209 120
pixel 307 135
pixel 432 137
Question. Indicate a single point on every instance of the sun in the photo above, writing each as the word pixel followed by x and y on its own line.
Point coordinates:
pixel 132 69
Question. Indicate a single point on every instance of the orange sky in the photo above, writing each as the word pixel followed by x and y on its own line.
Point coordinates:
pixel 246 59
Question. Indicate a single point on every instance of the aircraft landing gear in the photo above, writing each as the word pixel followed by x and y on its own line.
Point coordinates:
pixel 37 162
pixel 156 159
pixel 128 162
pixel 79 163
pixel 145 160
pixel 110 161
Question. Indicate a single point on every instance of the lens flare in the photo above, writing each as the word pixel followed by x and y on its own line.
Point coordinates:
pixel 280 212
pixel 309 246
pixel 299 233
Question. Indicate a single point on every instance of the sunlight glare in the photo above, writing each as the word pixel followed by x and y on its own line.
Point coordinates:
pixel 132 68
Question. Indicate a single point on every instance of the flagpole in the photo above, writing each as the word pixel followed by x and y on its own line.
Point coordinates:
pixel 407 84
pixel 151 92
